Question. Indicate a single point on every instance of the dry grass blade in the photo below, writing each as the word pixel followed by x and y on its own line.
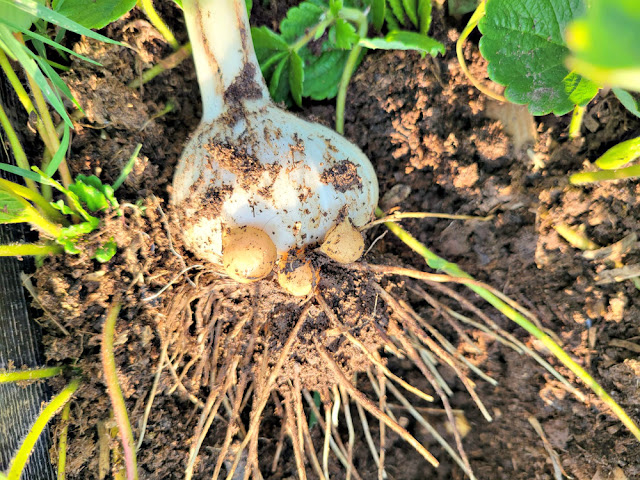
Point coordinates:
pixel 372 408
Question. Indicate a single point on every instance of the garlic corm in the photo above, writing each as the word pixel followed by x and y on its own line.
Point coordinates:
pixel 252 164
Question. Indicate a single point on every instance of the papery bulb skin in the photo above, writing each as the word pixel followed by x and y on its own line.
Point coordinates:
pixel 250 163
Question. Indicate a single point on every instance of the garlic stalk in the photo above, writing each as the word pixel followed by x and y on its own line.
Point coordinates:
pixel 252 164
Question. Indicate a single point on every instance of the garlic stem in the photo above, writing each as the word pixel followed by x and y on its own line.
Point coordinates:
pixel 224 56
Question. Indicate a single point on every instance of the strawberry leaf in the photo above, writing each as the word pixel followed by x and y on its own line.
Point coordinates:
pixel 523 41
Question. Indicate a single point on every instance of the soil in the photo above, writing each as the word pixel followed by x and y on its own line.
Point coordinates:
pixel 437 145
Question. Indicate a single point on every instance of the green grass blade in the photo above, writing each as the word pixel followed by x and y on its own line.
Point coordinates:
pixel 22 456
pixel 23 173
pixel 23 56
pixel 127 168
pixel 60 154
pixel 439 263
pixel 56 45
pixel 56 18
pixel 34 374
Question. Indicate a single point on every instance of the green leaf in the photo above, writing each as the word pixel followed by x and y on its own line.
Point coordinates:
pixel 23 55
pixel 249 5
pixel 378 12
pixel 91 191
pixel 620 154
pixel 77 230
pixel 278 89
pixel 60 205
pixel 523 41
pixel 33 8
pixel 402 40
pixel 268 64
pixel 629 101
pixel 98 14
pixel 322 74
pixel 335 6
pixel 14 209
pixel 106 252
pixel 60 153
pixel 296 77
pixel 299 19
pixel 398 11
pixel 605 43
pixel 424 16
pixel 345 34
pixel 11 15
pixel 21 172
pixel 264 38
pixel 411 9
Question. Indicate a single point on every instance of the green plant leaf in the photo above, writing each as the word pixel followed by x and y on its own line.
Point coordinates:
pixel 278 89
pixel 296 77
pixel 60 205
pixel 106 251
pixel 402 40
pixel 77 230
pixel 12 15
pixel 21 172
pixel 299 19
pixel 630 102
pixel 411 9
pixel 523 41
pixel 398 11
pixel 264 38
pixel 322 74
pixel 605 44
pixel 32 7
pixel 345 34
pixel 13 209
pixel 98 14
pixel 424 16
pixel 378 12
pixel 60 153
pixel 620 154
pixel 91 191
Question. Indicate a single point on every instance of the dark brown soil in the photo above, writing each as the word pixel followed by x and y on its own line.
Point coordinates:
pixel 433 138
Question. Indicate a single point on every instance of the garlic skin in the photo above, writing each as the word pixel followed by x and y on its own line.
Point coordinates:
pixel 250 163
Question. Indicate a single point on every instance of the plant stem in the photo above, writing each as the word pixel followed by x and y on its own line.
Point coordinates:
pixel 439 263
pixel 163 65
pixel 30 249
pixel 22 456
pixel 23 96
pixel 576 121
pixel 605 175
pixel 223 52
pixel 311 34
pixel 156 21
pixel 115 393
pixel 359 19
pixel 473 22
pixel 16 147
pixel 50 138
pixel 62 443
pixel 33 374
